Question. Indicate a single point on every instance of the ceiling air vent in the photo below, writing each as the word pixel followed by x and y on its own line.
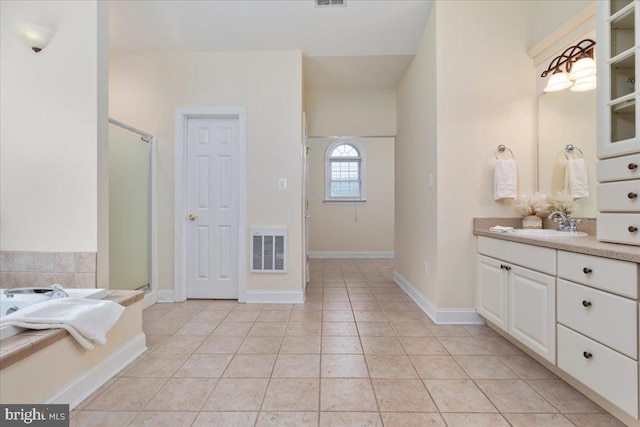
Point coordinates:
pixel 323 3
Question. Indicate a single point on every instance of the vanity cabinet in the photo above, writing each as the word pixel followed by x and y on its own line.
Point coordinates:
pixel 598 325
pixel 618 121
pixel 516 293
pixel 578 311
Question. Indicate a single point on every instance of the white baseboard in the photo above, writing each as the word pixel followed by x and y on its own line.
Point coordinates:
pixel 150 298
pixel 274 297
pixel 334 254
pixel 440 316
pixel 81 387
pixel 165 295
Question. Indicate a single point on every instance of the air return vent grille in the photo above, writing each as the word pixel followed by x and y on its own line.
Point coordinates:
pixel 324 3
pixel 268 250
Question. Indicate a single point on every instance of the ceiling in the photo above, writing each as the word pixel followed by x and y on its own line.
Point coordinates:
pixel 365 44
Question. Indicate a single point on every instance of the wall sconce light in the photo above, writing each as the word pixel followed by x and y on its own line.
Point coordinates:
pixel 35 36
pixel 575 68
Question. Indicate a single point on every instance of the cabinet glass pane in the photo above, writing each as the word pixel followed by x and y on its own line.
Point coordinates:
pixel 622 33
pixel 623 121
pixel 623 77
pixel 618 5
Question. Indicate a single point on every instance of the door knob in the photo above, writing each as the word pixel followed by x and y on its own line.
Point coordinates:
pixel 307 216
pixel 193 217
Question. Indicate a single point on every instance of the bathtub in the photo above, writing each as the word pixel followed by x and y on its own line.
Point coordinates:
pixel 19 301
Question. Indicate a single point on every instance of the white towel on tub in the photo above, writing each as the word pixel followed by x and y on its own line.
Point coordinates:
pixel 505 180
pixel 87 320
pixel 576 181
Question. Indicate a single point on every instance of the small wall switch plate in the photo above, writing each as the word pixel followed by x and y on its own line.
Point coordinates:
pixel 282 184
pixel 426 268
pixel 430 180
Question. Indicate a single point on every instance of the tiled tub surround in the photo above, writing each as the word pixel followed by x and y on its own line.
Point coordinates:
pixel 49 366
pixel 25 269
pixel 572 303
pixel 358 352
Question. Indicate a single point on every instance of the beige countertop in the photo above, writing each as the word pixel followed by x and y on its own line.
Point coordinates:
pixel 585 245
pixel 17 347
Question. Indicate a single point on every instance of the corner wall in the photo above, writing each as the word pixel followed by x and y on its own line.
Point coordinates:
pixel 49 128
pixel 470 88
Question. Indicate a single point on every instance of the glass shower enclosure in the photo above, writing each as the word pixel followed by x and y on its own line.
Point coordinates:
pixel 129 207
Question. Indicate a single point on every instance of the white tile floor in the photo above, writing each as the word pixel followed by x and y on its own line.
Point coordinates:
pixel 359 352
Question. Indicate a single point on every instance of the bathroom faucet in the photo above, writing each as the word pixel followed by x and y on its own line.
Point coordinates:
pixel 565 222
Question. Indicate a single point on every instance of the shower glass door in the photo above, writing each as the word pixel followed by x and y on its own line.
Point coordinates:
pixel 129 210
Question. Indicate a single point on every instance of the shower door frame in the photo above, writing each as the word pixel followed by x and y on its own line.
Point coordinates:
pixel 151 296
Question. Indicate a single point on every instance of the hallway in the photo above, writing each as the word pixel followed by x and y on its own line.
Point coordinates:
pixel 359 352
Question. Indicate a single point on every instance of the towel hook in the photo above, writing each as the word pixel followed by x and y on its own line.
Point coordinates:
pixel 501 149
pixel 569 149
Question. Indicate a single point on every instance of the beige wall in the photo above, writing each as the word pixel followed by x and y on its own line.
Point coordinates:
pixel 357 112
pixel 51 122
pixel 353 227
pixel 547 16
pixel 453 114
pixel 416 156
pixel 145 89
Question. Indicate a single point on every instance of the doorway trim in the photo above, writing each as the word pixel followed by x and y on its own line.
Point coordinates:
pixel 182 114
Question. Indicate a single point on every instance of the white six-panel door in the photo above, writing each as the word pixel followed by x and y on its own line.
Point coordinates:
pixel 212 208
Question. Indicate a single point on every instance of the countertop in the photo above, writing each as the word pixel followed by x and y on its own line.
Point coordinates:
pixel 17 347
pixel 585 245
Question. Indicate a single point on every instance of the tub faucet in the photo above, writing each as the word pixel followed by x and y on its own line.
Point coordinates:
pixel 55 291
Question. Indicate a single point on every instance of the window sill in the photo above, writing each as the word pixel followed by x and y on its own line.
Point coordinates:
pixel 345 201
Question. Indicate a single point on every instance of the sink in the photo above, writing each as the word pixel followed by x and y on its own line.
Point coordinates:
pixel 545 233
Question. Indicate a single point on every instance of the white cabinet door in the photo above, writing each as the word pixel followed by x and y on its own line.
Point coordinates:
pixel 532 310
pixel 492 298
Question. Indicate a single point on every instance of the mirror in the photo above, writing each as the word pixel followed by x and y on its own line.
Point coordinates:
pixel 566 117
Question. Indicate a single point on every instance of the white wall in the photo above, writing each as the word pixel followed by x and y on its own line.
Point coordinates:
pixel 49 128
pixel 469 89
pixel 145 89
pixel 353 227
pixel 356 112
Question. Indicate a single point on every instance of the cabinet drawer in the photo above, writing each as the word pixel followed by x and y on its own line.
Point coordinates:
pixel 605 371
pixel 619 277
pixel 529 256
pixel 621 196
pixel 617 169
pixel 494 248
pixel 619 228
pixel 604 317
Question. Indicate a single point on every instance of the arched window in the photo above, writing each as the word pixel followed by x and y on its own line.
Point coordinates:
pixel 345 171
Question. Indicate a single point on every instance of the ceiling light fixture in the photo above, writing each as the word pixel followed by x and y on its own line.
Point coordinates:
pixel 574 68
pixel 35 36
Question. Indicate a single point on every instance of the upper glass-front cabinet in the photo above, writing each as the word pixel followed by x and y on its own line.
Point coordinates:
pixel 618 46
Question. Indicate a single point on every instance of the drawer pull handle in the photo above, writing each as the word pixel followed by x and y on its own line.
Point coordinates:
pixel 507 268
pixel 502 266
pixel 587 270
pixel 632 229
pixel 586 303
pixel 632 195
pixel 632 166
pixel 587 355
